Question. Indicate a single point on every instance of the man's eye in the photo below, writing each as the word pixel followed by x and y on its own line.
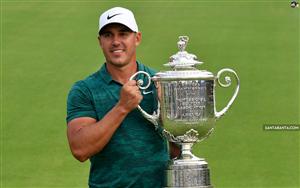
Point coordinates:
pixel 124 34
pixel 106 35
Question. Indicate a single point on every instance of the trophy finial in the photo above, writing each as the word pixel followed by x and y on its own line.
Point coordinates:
pixel 182 43
pixel 183 59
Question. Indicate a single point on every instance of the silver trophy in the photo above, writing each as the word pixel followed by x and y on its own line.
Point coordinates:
pixel 187 113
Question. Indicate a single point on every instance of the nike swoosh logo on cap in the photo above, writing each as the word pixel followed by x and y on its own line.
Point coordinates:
pixel 109 17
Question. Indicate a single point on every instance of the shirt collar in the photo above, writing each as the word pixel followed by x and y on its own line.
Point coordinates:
pixel 105 74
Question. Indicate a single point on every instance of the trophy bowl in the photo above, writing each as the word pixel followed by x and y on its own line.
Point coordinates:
pixel 187 113
pixel 187 102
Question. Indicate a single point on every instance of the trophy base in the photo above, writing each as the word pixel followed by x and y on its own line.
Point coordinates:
pixel 187 173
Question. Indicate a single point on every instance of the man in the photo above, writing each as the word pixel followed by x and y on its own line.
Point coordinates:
pixel 103 123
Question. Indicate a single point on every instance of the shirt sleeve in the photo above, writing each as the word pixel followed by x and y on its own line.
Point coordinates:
pixel 80 103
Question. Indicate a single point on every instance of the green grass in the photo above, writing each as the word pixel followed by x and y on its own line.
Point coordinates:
pixel 47 46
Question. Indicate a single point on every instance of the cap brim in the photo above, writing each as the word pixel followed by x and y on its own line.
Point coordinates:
pixel 111 23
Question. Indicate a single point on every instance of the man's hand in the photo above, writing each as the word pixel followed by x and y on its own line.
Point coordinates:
pixel 130 96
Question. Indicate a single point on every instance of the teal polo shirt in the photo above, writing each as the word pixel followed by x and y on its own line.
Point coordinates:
pixel 136 155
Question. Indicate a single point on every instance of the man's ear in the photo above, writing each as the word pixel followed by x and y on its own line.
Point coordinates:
pixel 99 40
pixel 138 38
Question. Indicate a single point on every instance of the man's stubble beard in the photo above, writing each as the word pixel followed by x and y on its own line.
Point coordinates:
pixel 124 63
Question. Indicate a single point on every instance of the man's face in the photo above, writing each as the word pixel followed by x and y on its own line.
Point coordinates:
pixel 119 44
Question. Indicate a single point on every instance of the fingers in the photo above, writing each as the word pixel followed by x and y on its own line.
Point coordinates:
pixel 131 83
pixel 131 87
pixel 130 95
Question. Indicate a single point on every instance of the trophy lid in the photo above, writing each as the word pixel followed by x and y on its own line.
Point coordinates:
pixel 183 59
pixel 183 65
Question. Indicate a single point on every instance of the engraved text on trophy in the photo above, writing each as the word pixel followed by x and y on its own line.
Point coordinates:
pixel 189 100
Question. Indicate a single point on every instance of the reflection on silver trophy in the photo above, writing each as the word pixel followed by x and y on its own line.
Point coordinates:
pixel 187 113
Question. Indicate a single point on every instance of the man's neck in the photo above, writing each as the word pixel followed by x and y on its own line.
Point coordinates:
pixel 122 74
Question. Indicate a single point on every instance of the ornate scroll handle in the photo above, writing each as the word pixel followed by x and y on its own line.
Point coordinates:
pixel 227 84
pixel 154 117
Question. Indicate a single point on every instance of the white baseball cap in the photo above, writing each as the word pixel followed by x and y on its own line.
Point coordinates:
pixel 118 15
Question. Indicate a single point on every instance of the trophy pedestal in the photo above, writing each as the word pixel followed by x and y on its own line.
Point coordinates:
pixel 187 171
pixel 191 174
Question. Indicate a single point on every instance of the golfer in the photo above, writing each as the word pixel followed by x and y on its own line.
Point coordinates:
pixel 104 124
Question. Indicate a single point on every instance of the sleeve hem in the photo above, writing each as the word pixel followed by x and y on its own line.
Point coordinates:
pixel 70 118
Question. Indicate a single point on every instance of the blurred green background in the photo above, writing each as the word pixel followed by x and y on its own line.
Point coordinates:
pixel 48 45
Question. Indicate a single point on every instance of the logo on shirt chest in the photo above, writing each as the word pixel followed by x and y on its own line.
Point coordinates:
pixel 147 92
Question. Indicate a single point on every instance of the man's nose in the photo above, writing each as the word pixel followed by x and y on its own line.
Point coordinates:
pixel 116 41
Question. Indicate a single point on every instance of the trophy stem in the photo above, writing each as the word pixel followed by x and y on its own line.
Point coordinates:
pixel 186 152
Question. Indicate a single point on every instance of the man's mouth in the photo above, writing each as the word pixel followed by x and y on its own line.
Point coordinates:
pixel 117 50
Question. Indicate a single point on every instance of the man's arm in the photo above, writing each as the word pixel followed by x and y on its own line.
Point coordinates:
pixel 87 137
